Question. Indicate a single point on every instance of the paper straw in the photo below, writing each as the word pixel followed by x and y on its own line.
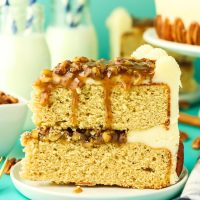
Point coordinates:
pixel 73 16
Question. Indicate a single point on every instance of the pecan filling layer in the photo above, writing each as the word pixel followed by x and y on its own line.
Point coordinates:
pixel 88 136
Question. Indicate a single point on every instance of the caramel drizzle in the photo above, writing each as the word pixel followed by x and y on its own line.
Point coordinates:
pixel 73 75
pixel 73 84
pixel 127 82
pixel 108 85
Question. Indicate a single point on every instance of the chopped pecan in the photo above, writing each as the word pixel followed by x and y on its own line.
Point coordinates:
pixel 106 137
pixel 81 59
pixel 61 68
pixel 10 162
pixel 7 99
pixel 122 138
pixel 183 136
pixel 184 104
pixel 196 143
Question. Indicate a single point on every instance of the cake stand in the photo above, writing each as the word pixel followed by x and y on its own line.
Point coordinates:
pixel 150 36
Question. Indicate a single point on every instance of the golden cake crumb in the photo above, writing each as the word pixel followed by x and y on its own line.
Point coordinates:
pixel 78 189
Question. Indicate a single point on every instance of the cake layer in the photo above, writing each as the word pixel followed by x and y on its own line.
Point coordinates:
pixel 156 137
pixel 159 137
pixel 134 93
pixel 140 108
pixel 133 165
pixel 166 71
pixel 83 93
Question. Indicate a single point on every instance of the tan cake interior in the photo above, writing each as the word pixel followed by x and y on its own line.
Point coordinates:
pixel 128 165
pixel 141 107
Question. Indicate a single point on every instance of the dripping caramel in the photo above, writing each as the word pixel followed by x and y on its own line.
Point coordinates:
pixel 73 75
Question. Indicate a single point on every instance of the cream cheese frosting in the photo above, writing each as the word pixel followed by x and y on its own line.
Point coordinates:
pixel 159 137
pixel 166 71
pixel 187 10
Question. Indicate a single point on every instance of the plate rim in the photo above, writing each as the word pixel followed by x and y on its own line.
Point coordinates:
pixel 151 37
pixel 16 181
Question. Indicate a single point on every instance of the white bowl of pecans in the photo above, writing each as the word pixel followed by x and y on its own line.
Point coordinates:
pixel 13 111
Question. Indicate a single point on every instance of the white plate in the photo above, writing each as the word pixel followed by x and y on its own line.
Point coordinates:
pixel 151 37
pixel 40 190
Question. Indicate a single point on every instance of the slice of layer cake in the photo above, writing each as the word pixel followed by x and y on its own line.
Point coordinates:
pixel 178 20
pixel 107 122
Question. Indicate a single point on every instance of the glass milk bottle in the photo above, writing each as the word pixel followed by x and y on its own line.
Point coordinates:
pixel 23 48
pixel 72 32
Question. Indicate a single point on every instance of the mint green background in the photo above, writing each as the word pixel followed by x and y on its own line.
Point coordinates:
pixel 100 9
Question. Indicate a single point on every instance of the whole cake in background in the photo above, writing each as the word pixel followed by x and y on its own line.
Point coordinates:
pixel 126 32
pixel 178 20
pixel 107 122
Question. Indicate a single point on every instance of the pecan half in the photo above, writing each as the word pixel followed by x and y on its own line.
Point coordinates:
pixel 183 136
pixel 196 143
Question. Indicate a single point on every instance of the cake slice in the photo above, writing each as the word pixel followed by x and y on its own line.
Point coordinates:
pixel 107 122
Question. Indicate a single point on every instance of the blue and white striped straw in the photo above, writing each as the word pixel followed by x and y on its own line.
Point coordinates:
pixel 4 3
pixel 30 17
pixel 20 16
pixel 73 16
pixel 32 2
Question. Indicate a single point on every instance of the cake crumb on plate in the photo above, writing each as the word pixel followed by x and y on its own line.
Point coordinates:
pixel 77 189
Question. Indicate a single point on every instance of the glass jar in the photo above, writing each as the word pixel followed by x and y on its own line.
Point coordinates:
pixel 23 48
pixel 71 32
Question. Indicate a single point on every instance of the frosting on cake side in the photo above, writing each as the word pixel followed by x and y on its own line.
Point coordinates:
pixel 166 71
